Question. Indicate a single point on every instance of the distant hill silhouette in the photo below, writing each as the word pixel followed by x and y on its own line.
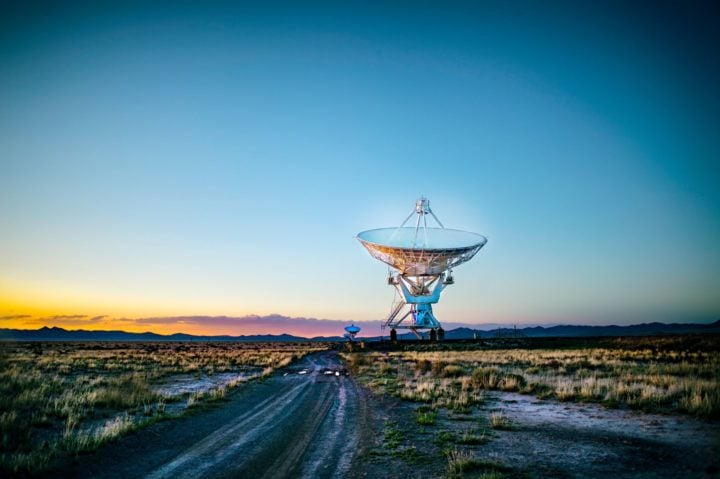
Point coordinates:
pixel 645 329
pixel 60 334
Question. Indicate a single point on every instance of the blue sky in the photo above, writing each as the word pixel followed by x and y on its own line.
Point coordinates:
pixel 177 159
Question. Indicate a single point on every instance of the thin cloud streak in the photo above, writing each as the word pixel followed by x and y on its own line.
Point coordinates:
pixel 14 316
pixel 62 320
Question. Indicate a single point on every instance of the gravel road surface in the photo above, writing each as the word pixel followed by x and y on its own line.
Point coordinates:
pixel 304 421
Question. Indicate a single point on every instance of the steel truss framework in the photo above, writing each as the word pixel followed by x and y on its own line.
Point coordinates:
pixel 415 295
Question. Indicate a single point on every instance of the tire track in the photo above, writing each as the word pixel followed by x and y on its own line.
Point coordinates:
pixel 302 431
pixel 291 456
pixel 224 442
pixel 337 434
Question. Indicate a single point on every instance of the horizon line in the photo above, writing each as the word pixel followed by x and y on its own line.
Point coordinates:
pixel 510 327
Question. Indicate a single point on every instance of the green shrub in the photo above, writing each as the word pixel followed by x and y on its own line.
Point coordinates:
pixel 424 417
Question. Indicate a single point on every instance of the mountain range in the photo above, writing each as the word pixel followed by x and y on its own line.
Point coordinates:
pixel 644 329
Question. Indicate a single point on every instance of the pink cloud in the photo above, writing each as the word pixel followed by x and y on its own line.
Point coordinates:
pixel 272 324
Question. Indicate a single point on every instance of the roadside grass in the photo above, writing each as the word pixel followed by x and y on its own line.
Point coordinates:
pixel 395 444
pixel 393 436
pixel 469 436
pixel 667 375
pixel 425 416
pixel 500 421
pixel 443 438
pixel 473 436
pixel 461 463
pixel 69 398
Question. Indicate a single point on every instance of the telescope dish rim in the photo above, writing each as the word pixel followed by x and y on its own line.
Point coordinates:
pixel 477 239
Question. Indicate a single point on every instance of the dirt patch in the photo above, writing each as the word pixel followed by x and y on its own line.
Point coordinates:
pixel 179 384
pixel 550 438
pixel 398 447
pixel 541 439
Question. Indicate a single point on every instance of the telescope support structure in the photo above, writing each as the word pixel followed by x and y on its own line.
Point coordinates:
pixel 416 295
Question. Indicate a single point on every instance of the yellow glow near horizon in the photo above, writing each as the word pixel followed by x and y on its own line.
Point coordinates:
pixel 43 299
pixel 34 305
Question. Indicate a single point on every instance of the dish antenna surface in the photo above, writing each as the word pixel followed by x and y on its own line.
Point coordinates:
pixel 420 260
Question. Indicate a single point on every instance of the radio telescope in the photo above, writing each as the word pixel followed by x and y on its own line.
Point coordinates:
pixel 420 260
pixel 351 331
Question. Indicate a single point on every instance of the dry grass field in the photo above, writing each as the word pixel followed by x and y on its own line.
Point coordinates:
pixel 68 398
pixel 455 385
pixel 654 375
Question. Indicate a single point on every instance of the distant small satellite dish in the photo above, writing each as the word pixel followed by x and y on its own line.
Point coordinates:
pixel 352 330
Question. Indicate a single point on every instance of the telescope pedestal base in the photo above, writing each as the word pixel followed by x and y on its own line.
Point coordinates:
pixel 418 318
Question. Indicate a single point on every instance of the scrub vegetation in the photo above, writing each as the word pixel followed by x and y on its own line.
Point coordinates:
pixel 666 375
pixel 451 388
pixel 67 398
pixel 462 463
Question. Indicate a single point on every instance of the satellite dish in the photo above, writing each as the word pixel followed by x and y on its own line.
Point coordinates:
pixel 427 252
pixel 352 330
pixel 421 259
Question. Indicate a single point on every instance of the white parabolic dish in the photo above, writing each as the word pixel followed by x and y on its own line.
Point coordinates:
pixel 425 251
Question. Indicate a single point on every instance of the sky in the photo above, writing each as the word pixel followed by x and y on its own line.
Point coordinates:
pixel 161 161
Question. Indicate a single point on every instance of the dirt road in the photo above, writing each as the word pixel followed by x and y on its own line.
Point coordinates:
pixel 294 424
